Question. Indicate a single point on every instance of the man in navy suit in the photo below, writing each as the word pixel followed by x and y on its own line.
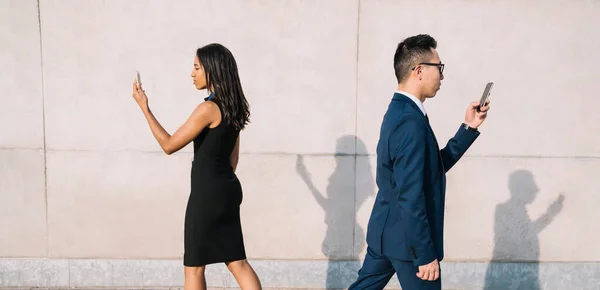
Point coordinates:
pixel 405 232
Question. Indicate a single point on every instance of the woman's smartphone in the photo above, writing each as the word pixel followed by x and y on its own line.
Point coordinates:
pixel 485 96
pixel 139 80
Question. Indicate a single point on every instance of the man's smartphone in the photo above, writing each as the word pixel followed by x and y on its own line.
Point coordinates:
pixel 485 96
pixel 139 80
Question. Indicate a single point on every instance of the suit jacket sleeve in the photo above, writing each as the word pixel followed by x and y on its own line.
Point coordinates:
pixel 457 146
pixel 408 149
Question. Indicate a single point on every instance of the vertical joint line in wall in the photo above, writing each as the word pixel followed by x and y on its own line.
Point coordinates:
pixel 356 81
pixel 354 252
pixel 356 153
pixel 43 125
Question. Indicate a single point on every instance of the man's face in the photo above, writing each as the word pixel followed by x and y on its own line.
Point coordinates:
pixel 431 75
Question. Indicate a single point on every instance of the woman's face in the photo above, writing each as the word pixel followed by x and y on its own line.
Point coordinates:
pixel 198 75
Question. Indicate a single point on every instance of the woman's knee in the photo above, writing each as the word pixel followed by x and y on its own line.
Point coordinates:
pixel 240 265
pixel 194 271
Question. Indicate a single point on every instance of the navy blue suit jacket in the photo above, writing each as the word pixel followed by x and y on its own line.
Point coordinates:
pixel 407 221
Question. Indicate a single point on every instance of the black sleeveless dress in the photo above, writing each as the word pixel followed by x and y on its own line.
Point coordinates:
pixel 213 232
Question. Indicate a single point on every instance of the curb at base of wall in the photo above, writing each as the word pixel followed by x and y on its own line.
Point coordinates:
pixel 283 274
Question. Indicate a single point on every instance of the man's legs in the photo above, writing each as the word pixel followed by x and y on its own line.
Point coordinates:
pixel 407 275
pixel 375 273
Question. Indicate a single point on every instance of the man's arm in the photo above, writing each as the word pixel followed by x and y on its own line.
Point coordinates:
pixel 462 140
pixel 457 146
pixel 408 148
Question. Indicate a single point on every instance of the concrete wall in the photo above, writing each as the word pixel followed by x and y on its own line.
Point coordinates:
pixel 88 199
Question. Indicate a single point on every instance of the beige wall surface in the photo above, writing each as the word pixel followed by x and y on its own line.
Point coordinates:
pixel 82 177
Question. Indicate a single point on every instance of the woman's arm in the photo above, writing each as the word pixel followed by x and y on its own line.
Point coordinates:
pixel 202 116
pixel 235 154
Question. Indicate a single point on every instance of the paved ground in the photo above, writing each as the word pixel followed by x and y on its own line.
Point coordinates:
pixel 147 288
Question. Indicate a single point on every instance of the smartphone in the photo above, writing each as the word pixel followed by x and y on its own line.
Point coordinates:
pixel 486 94
pixel 139 80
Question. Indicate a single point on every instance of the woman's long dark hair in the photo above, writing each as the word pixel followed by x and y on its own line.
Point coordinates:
pixel 221 74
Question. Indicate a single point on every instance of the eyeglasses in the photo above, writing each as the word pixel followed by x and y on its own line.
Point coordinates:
pixel 440 66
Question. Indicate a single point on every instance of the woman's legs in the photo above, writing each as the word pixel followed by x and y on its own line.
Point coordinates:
pixel 194 278
pixel 244 275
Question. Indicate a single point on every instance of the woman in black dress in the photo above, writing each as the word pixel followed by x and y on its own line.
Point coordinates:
pixel 213 232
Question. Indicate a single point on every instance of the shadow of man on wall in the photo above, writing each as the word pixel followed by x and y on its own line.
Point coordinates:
pixel 516 236
pixel 340 189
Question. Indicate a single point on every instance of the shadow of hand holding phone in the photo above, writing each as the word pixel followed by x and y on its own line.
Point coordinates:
pixel 339 202
pixel 516 236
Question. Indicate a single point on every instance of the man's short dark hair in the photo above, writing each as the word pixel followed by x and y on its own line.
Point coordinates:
pixel 410 52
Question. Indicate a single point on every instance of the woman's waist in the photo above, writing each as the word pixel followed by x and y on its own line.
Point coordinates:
pixel 212 169
pixel 209 161
pixel 215 180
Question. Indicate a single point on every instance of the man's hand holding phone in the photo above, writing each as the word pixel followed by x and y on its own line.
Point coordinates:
pixel 475 116
pixel 477 111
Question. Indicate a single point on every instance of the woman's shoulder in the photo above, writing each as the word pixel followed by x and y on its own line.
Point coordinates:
pixel 207 109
